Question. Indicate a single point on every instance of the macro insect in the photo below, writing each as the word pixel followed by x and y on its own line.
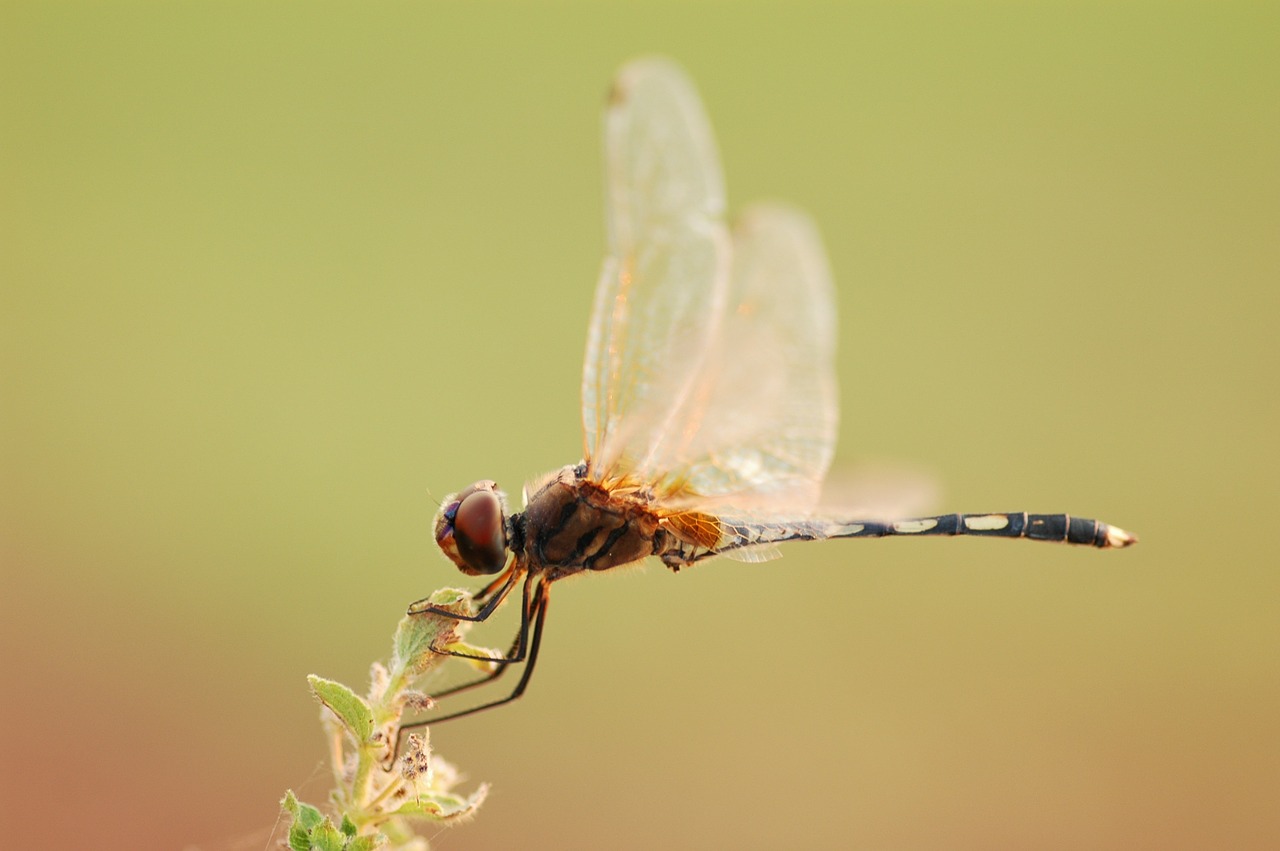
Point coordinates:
pixel 709 403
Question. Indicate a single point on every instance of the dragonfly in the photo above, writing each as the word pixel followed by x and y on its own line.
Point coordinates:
pixel 709 398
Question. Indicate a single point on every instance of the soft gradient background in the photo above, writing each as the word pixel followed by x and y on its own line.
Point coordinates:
pixel 276 275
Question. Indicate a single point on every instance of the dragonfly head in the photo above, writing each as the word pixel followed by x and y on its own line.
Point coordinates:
pixel 471 528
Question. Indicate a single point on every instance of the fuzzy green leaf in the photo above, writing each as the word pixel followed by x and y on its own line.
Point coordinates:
pixel 361 788
pixel 304 815
pixel 309 817
pixel 416 634
pixel 299 838
pixel 442 806
pixel 454 599
pixel 326 837
pixel 483 665
pixel 306 820
pixel 350 708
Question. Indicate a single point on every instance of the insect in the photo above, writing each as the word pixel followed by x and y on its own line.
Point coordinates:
pixel 709 400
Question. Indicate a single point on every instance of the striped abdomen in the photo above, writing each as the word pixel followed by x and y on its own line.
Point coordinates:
pixel 1062 528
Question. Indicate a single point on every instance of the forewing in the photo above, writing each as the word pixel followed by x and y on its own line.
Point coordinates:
pixel 663 286
pixel 758 429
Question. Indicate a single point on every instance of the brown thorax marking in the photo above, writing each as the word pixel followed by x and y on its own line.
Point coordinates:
pixel 573 524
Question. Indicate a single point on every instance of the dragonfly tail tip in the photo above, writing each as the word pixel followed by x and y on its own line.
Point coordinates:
pixel 1119 538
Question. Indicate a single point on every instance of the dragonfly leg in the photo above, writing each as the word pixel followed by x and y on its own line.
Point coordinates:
pixel 516 653
pixel 491 596
pixel 533 617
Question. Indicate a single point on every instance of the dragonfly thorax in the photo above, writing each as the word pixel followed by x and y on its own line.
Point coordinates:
pixel 471 528
pixel 572 524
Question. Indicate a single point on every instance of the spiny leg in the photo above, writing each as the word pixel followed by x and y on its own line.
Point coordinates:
pixel 502 585
pixel 537 616
pixel 516 653
pixel 533 616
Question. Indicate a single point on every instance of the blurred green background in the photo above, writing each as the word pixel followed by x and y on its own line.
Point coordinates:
pixel 277 276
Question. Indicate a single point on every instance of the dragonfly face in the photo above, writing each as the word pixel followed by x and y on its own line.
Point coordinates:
pixel 709 399
pixel 471 529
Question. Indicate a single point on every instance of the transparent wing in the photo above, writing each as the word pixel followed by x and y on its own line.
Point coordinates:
pixel 664 283
pixel 709 371
pixel 758 430
pixel 879 490
pixel 875 492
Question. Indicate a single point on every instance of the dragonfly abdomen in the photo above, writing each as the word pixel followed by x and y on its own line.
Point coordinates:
pixel 1061 528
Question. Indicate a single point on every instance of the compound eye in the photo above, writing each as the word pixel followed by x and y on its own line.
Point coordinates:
pixel 476 528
